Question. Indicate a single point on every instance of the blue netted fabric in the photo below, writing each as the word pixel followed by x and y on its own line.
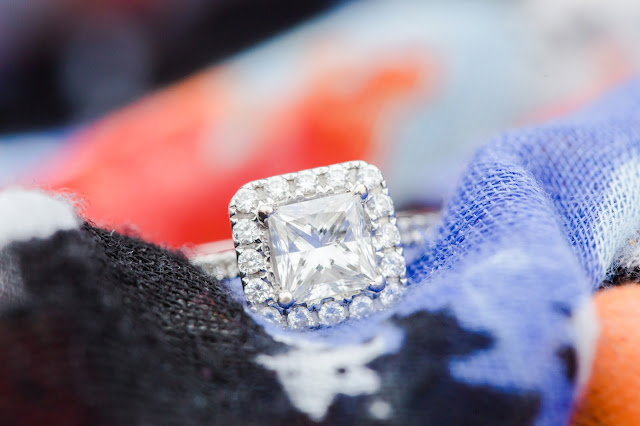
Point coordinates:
pixel 535 225
pixel 102 328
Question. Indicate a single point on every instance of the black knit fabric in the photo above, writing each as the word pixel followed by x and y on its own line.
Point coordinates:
pixel 113 330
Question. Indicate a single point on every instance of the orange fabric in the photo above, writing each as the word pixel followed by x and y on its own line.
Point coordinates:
pixel 612 395
pixel 169 164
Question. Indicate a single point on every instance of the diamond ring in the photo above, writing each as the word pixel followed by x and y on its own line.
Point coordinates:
pixel 316 247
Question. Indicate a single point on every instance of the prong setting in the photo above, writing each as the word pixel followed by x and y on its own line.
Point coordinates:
pixel 361 190
pixel 264 211
pixel 285 299
pixel 378 284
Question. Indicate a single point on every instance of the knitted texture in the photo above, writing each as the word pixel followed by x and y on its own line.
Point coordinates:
pixel 110 329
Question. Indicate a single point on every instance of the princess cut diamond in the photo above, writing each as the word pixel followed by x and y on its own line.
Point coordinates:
pixel 322 248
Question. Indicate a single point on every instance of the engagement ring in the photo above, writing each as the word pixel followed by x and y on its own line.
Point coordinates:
pixel 316 247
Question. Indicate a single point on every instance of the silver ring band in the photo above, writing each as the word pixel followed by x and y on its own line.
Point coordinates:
pixel 219 258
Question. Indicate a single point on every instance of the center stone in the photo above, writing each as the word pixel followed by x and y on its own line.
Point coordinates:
pixel 322 248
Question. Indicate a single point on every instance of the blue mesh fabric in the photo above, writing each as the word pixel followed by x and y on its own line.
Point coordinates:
pixel 535 225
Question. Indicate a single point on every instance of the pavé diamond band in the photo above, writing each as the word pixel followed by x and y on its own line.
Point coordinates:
pixel 318 246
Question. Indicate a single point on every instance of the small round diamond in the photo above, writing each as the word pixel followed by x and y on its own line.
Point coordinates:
pixel 257 291
pixel 361 306
pixel 337 177
pixel 272 315
pixel 390 294
pixel 393 265
pixel 277 188
pixel 300 317
pixel 250 261
pixel 387 235
pixel 332 313
pixel 370 176
pixel 380 205
pixel 307 181
pixel 245 231
pixel 246 200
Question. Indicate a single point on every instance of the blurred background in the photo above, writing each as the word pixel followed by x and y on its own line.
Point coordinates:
pixel 153 113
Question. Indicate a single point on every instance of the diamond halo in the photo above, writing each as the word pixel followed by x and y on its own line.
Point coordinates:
pixel 318 241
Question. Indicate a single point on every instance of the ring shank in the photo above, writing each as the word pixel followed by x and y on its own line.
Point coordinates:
pixel 219 258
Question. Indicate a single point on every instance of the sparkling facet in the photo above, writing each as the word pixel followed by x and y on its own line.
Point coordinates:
pixel 361 306
pixel 332 313
pixel 257 291
pixel 380 205
pixel 277 188
pixel 300 317
pixel 322 248
pixel 272 315
pixel 250 261
pixel 337 177
pixel 387 236
pixel 392 265
pixel 390 294
pixel 245 231
pixel 307 182
pixel 370 176
pixel 246 200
